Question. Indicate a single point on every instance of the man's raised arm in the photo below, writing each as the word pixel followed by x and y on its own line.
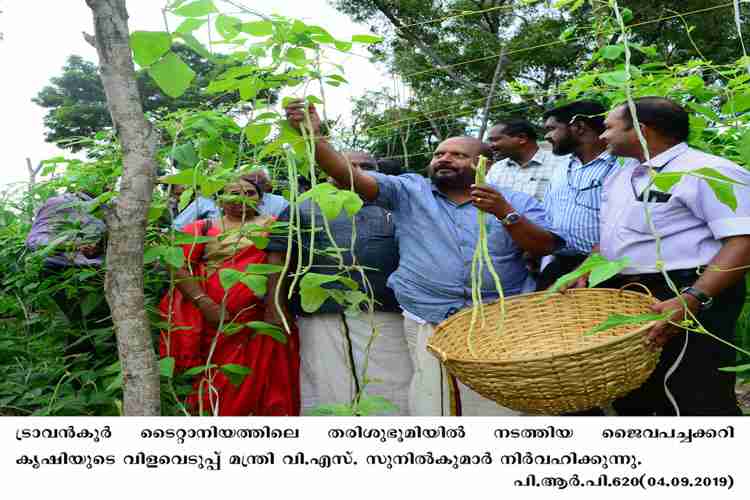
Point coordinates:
pixel 333 163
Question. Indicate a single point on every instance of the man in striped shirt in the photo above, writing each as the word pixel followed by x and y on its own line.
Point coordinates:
pixel 525 167
pixel 573 197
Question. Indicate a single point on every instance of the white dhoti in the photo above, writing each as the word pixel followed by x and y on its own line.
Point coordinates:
pixel 335 363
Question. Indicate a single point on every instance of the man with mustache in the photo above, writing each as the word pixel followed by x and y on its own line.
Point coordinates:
pixel 573 197
pixel 437 231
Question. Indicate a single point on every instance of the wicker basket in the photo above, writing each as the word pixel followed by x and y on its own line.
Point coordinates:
pixel 541 362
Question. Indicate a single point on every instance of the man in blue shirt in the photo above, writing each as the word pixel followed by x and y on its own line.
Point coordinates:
pixel 573 196
pixel 437 231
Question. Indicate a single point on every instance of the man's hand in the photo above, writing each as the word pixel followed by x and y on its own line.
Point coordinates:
pixel 663 331
pixel 488 200
pixel 295 114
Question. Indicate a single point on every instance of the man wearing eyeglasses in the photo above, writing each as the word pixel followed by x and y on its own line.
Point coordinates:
pixel 523 165
pixel 573 197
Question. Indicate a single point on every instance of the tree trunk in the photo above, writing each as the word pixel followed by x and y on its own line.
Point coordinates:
pixel 491 93
pixel 127 216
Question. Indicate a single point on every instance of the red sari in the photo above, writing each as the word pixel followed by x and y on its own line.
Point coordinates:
pixel 272 386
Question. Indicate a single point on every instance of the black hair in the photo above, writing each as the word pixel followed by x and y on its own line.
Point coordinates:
pixel 251 180
pixel 390 167
pixel 518 127
pixel 661 114
pixel 589 112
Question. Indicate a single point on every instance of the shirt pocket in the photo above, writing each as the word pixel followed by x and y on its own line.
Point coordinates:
pixel 662 213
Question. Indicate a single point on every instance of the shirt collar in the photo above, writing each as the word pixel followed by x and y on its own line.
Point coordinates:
pixel 660 161
pixel 576 163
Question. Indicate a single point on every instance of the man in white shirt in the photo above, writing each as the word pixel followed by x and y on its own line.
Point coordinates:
pixel 525 167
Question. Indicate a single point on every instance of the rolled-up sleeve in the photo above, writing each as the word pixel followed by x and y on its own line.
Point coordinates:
pixel 721 219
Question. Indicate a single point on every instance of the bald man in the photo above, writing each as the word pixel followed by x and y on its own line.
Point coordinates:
pixel 437 231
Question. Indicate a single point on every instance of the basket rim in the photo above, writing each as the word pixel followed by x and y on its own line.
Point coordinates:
pixel 603 345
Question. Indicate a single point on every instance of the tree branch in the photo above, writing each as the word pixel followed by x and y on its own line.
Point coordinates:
pixel 490 94
pixel 410 36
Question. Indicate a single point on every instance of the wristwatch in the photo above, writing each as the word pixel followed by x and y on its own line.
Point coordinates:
pixel 704 300
pixel 510 219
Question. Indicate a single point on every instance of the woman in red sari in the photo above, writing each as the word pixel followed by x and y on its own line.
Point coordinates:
pixel 195 312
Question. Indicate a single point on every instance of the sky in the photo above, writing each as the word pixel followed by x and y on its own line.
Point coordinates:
pixel 39 35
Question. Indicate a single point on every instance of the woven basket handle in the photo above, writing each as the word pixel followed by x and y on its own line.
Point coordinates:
pixel 635 283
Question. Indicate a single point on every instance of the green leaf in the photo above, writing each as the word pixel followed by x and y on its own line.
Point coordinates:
pixel 91 302
pixel 720 184
pixel 257 132
pixel 185 198
pixel 198 8
pixel 664 181
pixel 348 282
pixel 235 373
pixel 743 147
pixel 343 46
pixel 352 202
pixel 155 213
pixel 737 104
pixel 374 405
pixel 612 52
pixel 228 26
pixel 272 331
pixel 189 25
pixel 603 272
pixel 593 262
pixel 614 78
pixel 312 298
pixel 196 46
pixel 627 15
pixel 258 284
pixel 735 369
pixel 172 75
pixel 296 56
pixel 149 46
pixel 198 369
pixel 332 410
pixel 331 206
pixel 210 187
pixel 263 268
pixel 704 110
pixel 258 28
pixel 174 257
pixel 191 239
pixel 185 155
pixel 248 88
pixel 153 253
pixel 229 278
pixel 369 39
pixel 166 367
pixel 314 280
pixel 262 325
pixel 615 320
pixel 313 99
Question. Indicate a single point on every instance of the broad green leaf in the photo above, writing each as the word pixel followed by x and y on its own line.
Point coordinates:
pixel 262 325
pixel 312 298
pixel 343 46
pixel 258 284
pixel 603 272
pixel 348 282
pixel 627 15
pixel 256 133
pixel 664 181
pixel 248 88
pixel 186 156
pixel 185 198
pixel 720 184
pixel 166 367
pixel 332 410
pixel 743 148
pixel 314 280
pixel 209 187
pixel 735 369
pixel 612 52
pixel 191 239
pixel 296 56
pixel 331 206
pixel 189 25
pixel 198 369
pixel 258 28
pixel 275 334
pixel 153 253
pixel 352 202
pixel 196 46
pixel 337 78
pixel 149 46
pixel 260 241
pixel 228 26
pixel 593 261
pixel 229 278
pixel 263 268
pixel 313 99
pixel 614 78
pixel 320 35
pixel 235 373
pixel 374 405
pixel 615 320
pixel 289 135
pixel 198 8
pixel 174 257
pixel 155 213
pixel 91 302
pixel 369 39
pixel 737 104
pixel 172 75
